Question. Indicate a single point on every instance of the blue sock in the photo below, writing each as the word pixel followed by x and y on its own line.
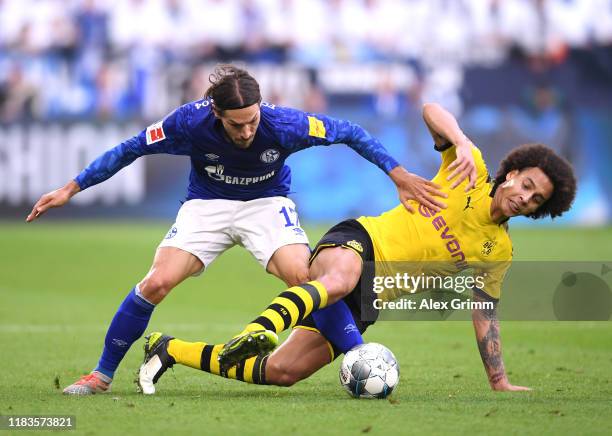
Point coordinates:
pixel 337 324
pixel 128 324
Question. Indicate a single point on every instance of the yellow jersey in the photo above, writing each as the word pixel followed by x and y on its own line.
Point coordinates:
pixel 461 237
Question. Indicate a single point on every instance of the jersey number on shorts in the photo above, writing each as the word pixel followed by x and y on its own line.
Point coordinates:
pixel 286 213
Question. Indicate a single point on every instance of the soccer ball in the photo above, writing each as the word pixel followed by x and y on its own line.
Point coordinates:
pixel 369 371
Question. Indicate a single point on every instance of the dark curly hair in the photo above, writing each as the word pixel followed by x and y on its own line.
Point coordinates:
pixel 558 170
pixel 232 88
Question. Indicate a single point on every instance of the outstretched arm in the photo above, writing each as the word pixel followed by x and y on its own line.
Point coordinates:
pixel 56 198
pixel 99 170
pixel 413 187
pixel 486 327
pixel 166 136
pixel 446 132
pixel 323 130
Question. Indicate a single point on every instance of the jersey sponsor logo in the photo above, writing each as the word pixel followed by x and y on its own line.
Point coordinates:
pixel 155 133
pixel 426 212
pixel 216 172
pixel 448 238
pixel 316 127
pixel 356 245
pixel 270 155
pixel 487 247
pixel 211 156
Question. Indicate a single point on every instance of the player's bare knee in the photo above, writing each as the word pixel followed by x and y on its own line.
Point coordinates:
pixel 337 285
pixel 338 269
pixel 155 288
pixel 298 276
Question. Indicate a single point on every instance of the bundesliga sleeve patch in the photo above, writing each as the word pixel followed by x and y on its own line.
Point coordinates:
pixel 316 127
pixel 155 133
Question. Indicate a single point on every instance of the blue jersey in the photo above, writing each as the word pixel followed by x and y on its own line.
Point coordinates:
pixel 220 170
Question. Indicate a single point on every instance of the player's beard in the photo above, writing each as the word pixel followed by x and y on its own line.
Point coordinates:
pixel 237 142
pixel 243 144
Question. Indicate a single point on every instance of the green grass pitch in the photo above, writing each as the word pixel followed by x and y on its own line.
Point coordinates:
pixel 60 284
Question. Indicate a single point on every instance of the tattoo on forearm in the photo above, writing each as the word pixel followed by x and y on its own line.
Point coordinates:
pixel 490 348
pixel 497 377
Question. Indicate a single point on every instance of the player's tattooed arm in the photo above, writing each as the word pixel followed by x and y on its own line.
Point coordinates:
pixel 486 327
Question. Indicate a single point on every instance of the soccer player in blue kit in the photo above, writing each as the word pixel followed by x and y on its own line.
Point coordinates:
pixel 237 194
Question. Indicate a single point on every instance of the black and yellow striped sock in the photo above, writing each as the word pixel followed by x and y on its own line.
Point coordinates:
pixel 290 307
pixel 200 355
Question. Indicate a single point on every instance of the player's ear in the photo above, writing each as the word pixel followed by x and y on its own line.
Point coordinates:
pixel 217 112
pixel 509 176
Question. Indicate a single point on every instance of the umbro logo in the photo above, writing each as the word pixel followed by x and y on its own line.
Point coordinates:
pixel 120 342
pixel 350 328
pixel 171 233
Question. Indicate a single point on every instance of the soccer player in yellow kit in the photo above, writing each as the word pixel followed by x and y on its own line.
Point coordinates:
pixel 328 310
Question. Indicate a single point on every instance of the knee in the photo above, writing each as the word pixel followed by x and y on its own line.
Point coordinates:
pixel 155 287
pixel 298 275
pixel 338 285
pixel 280 374
pixel 338 269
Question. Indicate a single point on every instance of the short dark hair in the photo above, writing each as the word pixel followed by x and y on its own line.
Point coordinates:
pixel 232 88
pixel 558 170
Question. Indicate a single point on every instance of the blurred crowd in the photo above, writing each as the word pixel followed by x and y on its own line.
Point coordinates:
pixel 121 59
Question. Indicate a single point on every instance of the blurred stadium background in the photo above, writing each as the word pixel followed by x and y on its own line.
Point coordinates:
pixel 77 77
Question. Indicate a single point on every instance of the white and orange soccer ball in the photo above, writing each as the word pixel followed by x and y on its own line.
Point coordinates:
pixel 369 371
